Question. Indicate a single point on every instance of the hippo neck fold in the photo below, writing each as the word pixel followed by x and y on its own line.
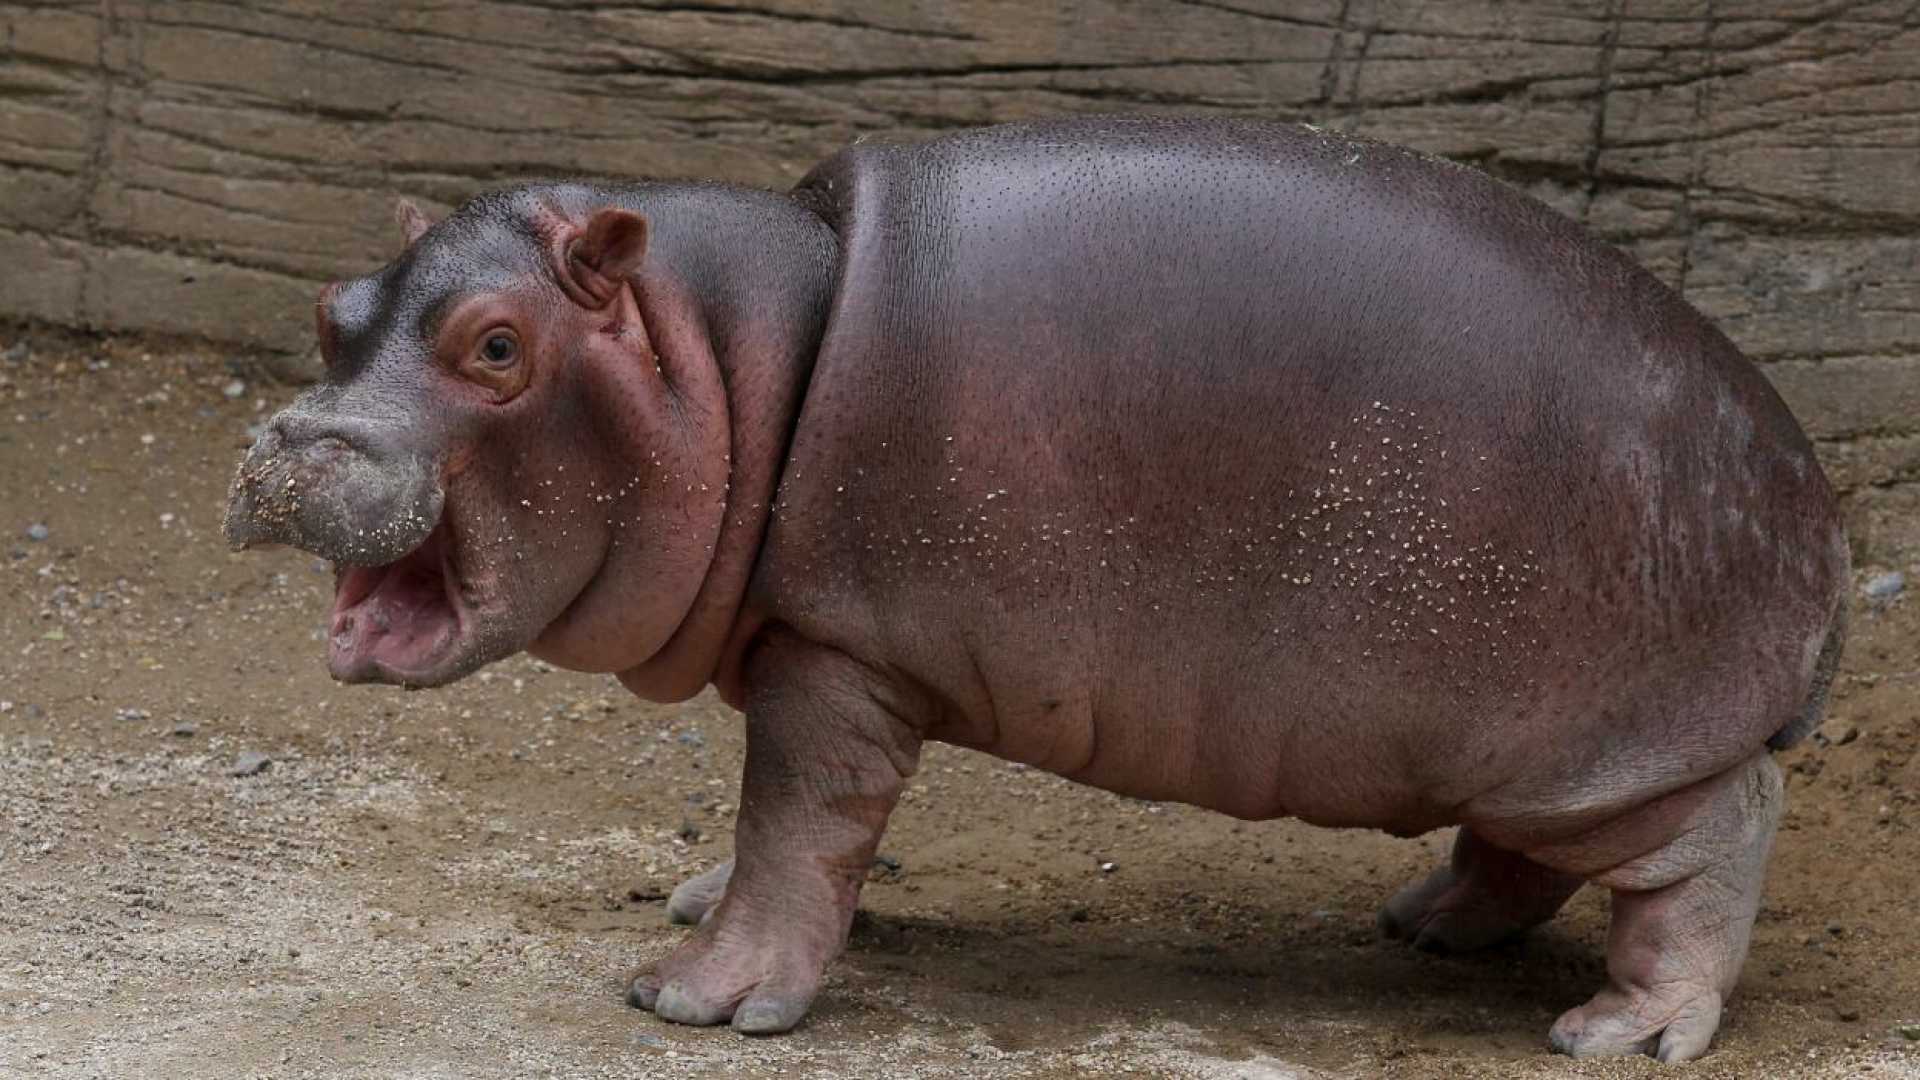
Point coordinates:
pixel 756 269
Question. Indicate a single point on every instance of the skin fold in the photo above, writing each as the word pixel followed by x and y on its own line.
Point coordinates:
pixel 1239 464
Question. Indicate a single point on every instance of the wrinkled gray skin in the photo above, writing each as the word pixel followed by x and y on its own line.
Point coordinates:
pixel 1230 463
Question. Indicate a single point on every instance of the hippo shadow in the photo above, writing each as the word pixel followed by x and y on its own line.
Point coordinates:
pixel 1031 983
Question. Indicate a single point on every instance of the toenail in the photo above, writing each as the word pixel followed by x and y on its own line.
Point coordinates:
pixel 677 1005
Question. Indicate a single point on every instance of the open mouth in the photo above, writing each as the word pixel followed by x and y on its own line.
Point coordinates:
pixel 395 622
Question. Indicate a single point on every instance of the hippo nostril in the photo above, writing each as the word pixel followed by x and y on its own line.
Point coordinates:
pixel 328 448
pixel 302 439
pixel 279 434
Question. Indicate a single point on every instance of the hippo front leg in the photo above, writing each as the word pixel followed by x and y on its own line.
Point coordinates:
pixel 826 761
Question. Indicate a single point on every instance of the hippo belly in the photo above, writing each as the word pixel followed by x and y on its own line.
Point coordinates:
pixel 1261 469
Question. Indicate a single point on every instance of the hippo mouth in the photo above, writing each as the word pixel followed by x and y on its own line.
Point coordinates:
pixel 398 623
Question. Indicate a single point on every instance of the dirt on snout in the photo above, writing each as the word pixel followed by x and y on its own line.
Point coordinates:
pixel 216 863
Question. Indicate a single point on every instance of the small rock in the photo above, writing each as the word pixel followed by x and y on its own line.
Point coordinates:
pixel 1846 1015
pixel 234 390
pixel 1908 1031
pixel 38 532
pixel 1885 586
pixel 131 714
pixel 1109 867
pixel 185 731
pixel 651 1042
pixel 691 737
pixel 251 763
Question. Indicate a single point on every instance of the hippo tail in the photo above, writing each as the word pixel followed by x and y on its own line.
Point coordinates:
pixel 1825 667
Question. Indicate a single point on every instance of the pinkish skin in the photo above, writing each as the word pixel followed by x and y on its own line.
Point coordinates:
pixel 1229 463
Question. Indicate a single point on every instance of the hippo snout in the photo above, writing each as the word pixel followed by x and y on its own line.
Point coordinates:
pixel 343 492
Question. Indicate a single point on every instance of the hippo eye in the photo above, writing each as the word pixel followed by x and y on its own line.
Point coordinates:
pixel 500 350
pixel 491 360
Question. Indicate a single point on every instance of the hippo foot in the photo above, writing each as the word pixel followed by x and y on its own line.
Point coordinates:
pixel 1672 1023
pixel 697 896
pixel 1482 897
pixel 1682 917
pixel 760 983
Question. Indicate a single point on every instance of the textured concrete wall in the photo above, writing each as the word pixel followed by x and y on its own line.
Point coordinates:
pixel 197 166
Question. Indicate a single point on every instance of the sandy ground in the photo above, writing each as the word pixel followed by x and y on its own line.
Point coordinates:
pixel 455 883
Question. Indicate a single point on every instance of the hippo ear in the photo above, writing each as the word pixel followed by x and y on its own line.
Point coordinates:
pixel 412 220
pixel 605 254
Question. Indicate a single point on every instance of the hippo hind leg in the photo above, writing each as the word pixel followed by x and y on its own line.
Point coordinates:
pixel 1686 873
pixel 1482 897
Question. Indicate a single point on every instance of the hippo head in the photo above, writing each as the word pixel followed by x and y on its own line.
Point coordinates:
pixel 495 439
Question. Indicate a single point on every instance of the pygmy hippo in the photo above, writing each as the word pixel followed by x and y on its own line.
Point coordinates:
pixel 1241 464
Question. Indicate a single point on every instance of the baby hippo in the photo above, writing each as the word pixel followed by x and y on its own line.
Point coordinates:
pixel 1239 464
